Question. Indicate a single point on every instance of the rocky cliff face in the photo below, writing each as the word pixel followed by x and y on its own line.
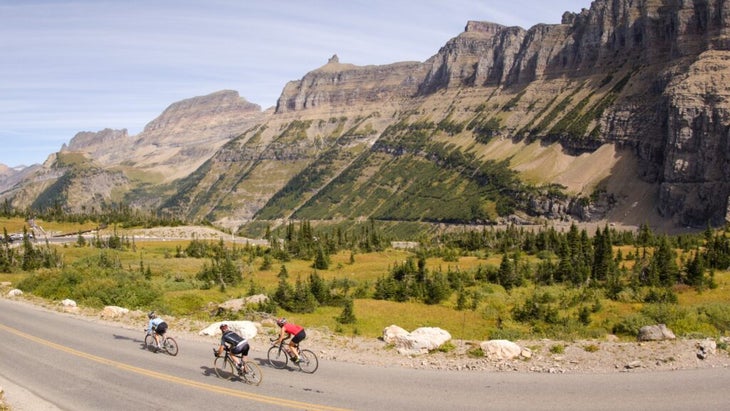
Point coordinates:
pixel 671 105
pixel 98 144
pixel 337 86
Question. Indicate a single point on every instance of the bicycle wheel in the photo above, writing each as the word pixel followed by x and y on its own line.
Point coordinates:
pixel 308 361
pixel 170 346
pixel 253 373
pixel 277 357
pixel 149 342
pixel 224 368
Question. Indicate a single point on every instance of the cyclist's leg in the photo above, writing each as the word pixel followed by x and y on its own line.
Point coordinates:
pixel 293 350
pixel 233 358
pixel 294 343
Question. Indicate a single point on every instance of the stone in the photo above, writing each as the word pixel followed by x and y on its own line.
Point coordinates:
pixel 658 332
pixel 500 349
pixel 392 332
pixel 246 329
pixel 420 341
pixel 112 311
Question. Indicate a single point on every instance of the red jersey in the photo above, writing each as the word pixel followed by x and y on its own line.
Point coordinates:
pixel 292 329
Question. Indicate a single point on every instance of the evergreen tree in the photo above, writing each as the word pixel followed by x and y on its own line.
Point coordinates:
pixel 665 263
pixel 303 300
pixel 348 313
pixel 318 288
pixel 322 260
pixel 507 275
pixel 437 289
pixel 696 271
pixel 284 292
pixel 602 255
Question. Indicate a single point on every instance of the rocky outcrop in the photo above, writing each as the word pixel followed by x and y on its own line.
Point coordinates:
pixel 189 132
pixel 336 86
pixel 96 144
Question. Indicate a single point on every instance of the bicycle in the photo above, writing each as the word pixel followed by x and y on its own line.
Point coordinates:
pixel 224 367
pixel 167 344
pixel 279 356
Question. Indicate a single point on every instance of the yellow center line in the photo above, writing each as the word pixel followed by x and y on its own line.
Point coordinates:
pixel 154 374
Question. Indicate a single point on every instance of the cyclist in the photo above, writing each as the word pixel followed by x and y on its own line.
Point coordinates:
pixel 156 325
pixel 234 344
pixel 297 331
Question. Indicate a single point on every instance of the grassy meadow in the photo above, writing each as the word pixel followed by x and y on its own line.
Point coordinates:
pixel 181 294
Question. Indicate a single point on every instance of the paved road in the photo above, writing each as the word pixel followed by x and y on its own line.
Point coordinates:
pixel 53 361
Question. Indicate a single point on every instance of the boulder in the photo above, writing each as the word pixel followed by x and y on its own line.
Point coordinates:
pixel 15 292
pixel 112 311
pixel 392 332
pixel 246 329
pixel 421 341
pixel 68 303
pixel 501 350
pixel 658 332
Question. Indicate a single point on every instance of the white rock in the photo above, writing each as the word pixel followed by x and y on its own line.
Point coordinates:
pixel 246 329
pixel 500 349
pixel 15 292
pixel 391 332
pixel 421 341
pixel 68 303
pixel 112 311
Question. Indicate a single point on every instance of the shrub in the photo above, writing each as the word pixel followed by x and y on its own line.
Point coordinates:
pixel 448 346
pixel 557 349
pixel 591 348
pixel 631 325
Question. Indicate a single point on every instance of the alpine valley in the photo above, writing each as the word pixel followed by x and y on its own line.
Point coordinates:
pixel 621 113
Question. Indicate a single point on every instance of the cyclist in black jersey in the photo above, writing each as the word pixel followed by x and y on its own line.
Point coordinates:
pixel 234 344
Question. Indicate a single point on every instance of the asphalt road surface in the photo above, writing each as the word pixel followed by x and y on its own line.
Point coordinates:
pixel 51 361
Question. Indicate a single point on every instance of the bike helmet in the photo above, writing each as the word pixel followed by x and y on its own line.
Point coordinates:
pixel 151 315
pixel 281 321
pixel 223 326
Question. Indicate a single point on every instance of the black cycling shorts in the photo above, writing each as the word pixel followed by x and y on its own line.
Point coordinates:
pixel 300 336
pixel 161 328
pixel 240 349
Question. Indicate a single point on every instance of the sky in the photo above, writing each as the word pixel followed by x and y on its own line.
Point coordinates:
pixel 68 66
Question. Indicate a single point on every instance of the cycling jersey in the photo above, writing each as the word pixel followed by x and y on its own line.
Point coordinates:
pixel 292 329
pixel 235 342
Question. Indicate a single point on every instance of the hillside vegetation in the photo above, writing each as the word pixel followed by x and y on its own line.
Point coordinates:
pixel 476 284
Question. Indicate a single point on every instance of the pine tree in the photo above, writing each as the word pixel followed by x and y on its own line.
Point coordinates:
pixel 664 260
pixel 348 313
pixel 303 300
pixel 322 260
pixel 696 271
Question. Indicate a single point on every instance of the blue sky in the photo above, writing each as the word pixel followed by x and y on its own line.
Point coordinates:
pixel 85 65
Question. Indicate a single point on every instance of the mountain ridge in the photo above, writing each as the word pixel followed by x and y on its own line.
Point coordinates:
pixel 624 85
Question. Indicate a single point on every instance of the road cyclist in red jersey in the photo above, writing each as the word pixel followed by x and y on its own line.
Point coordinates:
pixel 298 333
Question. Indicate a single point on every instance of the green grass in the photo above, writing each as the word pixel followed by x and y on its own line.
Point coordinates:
pixel 181 295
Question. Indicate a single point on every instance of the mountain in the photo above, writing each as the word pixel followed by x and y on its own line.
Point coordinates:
pixel 619 113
